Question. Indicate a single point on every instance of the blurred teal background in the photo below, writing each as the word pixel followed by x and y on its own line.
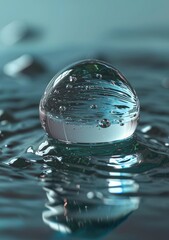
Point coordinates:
pixel 73 23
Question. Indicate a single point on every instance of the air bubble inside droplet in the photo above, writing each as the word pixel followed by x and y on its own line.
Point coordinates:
pixel 72 79
pixel 104 123
pixel 70 109
pixel 99 76
pixel 93 106
pixel 62 108
pixel 69 86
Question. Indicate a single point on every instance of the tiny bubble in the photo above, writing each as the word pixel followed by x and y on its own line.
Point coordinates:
pixel 90 195
pixel 62 108
pixel 56 91
pixel 104 123
pixel 87 87
pixel 69 86
pixel 93 106
pixel 99 76
pixel 72 79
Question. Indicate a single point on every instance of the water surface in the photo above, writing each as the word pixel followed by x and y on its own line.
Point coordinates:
pixel 56 191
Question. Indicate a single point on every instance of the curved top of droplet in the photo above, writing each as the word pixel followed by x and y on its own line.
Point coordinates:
pixel 74 91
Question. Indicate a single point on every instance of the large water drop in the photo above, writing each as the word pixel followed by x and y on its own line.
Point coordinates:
pixel 95 96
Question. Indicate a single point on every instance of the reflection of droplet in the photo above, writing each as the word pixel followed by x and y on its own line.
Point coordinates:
pixel 72 79
pixel 81 88
pixel 104 123
pixel 106 198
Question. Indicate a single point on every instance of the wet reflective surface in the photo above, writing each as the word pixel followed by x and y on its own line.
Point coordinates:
pixel 51 190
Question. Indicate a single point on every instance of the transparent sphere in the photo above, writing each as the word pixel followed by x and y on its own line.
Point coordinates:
pixel 89 102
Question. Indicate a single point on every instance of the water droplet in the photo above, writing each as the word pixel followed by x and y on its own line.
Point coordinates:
pixel 104 123
pixel 79 86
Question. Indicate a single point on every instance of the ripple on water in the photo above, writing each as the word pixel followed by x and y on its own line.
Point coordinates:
pixel 85 191
pixel 89 186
